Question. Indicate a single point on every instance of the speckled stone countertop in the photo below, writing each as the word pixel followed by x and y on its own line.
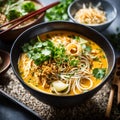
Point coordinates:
pixel 93 109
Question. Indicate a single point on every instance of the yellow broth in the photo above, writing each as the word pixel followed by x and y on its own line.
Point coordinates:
pixel 61 37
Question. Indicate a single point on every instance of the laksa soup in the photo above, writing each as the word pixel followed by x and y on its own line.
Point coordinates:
pixel 62 63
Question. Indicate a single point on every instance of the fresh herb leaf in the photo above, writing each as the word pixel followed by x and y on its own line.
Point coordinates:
pixel 13 14
pixel 96 59
pixel 74 62
pixel 16 8
pixel 88 48
pixel 59 12
pixel 38 45
pixel 99 73
pixel 39 51
pixel 28 6
pixel 25 47
pixel 46 52
pixel 77 38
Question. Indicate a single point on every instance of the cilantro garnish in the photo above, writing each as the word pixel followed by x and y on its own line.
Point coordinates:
pixel 39 51
pixel 99 73
pixel 59 12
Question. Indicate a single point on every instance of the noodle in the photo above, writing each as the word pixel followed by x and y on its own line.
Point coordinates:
pixel 90 15
pixel 67 69
pixel 11 10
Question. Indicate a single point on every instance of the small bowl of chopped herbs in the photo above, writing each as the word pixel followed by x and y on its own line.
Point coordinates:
pixel 59 12
pixel 13 9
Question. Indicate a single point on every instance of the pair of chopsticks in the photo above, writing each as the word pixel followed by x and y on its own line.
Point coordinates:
pixel 26 17
pixel 115 82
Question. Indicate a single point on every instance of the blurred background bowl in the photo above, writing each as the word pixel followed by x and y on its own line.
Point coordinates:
pixel 4 61
pixel 11 35
pixel 104 5
pixel 55 100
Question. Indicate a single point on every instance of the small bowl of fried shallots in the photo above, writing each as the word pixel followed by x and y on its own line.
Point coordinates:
pixel 96 14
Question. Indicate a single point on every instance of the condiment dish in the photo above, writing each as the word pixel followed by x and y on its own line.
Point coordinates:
pixel 102 7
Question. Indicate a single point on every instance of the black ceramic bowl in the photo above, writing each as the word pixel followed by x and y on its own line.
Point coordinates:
pixel 54 100
pixel 106 6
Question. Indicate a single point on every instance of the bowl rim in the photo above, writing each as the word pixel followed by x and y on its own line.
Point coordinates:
pixel 4 60
pixel 50 94
pixel 93 25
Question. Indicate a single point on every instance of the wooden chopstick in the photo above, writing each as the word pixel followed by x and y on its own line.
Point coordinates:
pixel 15 20
pixel 26 17
pixel 110 102
pixel 115 82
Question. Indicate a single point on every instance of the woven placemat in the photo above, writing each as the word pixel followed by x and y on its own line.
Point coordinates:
pixel 93 109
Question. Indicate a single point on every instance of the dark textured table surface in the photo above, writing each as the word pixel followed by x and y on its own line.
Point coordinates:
pixel 92 109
